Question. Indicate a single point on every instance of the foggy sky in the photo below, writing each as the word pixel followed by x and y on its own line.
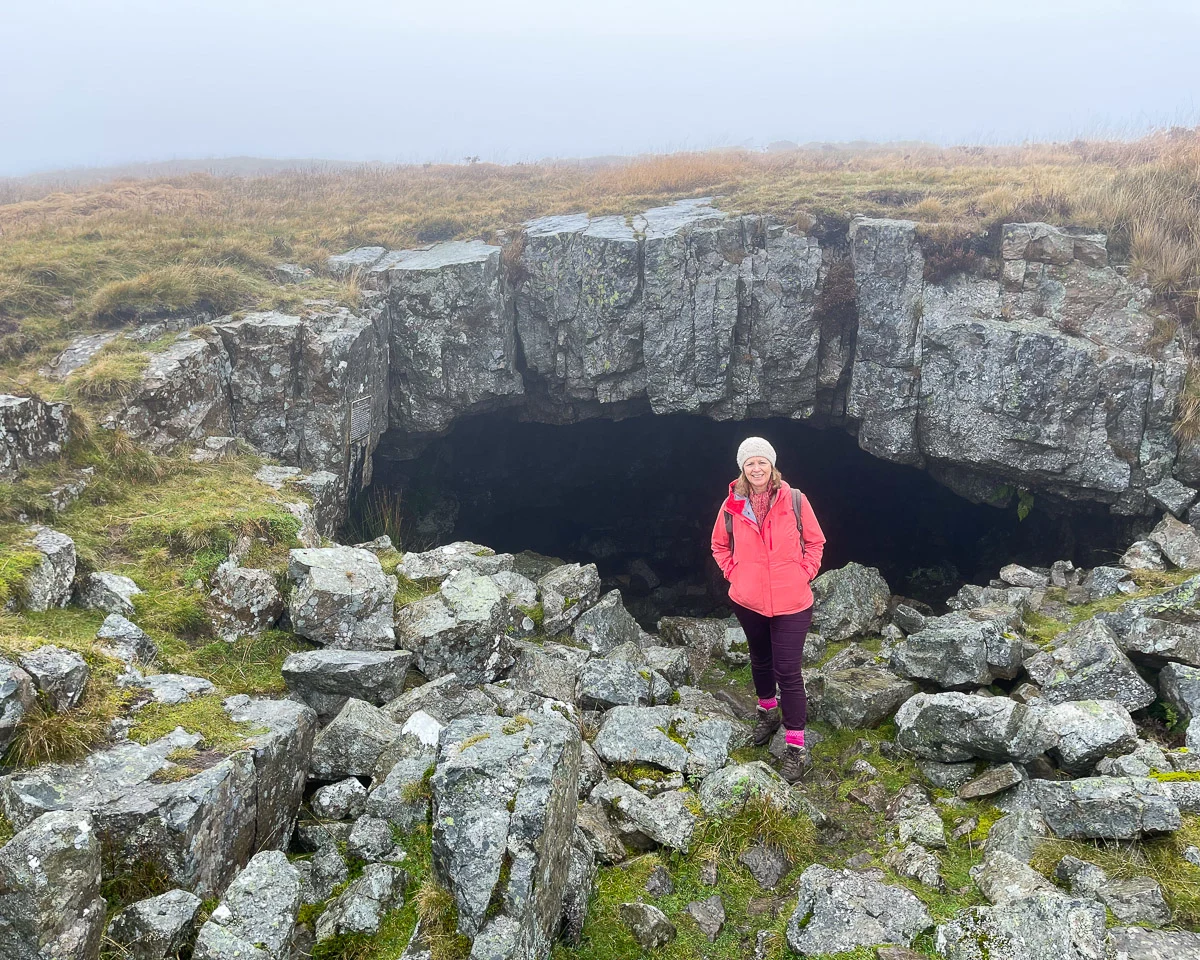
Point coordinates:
pixel 90 82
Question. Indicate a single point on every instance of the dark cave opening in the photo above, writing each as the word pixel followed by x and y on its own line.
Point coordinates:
pixel 638 497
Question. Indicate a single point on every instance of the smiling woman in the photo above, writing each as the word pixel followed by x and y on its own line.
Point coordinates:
pixel 768 545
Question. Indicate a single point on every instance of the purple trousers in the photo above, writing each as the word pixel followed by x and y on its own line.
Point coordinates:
pixel 776 659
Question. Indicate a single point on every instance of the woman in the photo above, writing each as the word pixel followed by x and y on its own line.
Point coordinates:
pixel 769 554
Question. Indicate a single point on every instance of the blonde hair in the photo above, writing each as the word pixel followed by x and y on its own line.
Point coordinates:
pixel 742 488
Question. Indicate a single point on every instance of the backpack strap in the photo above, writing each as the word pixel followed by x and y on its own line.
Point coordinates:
pixel 795 509
pixel 799 523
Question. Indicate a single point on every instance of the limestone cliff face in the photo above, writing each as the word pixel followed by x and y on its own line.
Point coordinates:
pixel 1038 367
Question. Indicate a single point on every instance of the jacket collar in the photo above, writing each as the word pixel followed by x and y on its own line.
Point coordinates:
pixel 736 504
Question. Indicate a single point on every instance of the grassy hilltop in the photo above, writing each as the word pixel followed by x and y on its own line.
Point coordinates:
pixel 89 255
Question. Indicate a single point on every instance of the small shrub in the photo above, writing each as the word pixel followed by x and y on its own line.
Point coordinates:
pixel 112 374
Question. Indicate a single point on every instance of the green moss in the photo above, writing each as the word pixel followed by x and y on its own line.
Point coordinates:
pixel 472 740
pixel 536 613
pixel 203 715
pixel 6 830
pixel 250 665
pixel 409 591
pixel 1176 776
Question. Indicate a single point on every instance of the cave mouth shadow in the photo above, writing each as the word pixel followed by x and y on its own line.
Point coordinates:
pixel 639 496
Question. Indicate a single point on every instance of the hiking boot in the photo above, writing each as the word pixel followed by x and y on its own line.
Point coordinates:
pixel 768 723
pixel 796 763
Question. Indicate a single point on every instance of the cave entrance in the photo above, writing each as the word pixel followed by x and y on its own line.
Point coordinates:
pixel 638 497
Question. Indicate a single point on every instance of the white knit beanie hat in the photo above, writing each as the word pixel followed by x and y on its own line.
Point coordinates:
pixel 755 447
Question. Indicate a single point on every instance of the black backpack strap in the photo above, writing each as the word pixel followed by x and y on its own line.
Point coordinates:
pixel 729 529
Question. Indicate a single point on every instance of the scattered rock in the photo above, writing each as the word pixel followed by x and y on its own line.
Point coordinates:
pixel 257 915
pixel 1034 928
pixel 1003 878
pixel 1138 900
pixel 726 791
pixel 916 863
pixel 17 696
pixel 341 598
pixel 646 822
pixel 1106 808
pixel 505 790
pixel 709 915
pixel 350 746
pixel 649 925
pixel 992 781
pixel 1179 686
pixel 326 679
pixel 344 800
pixel 768 865
pixel 1088 730
pixel 31 431
pixel 370 839
pixel 600 628
pixel 849 602
pixel 659 883
pixel 460 630
pixel 954 727
pixel 1178 541
pixel 1172 496
pixel 605 683
pixel 857 697
pixel 1144 555
pixel 668 737
pixel 157 928
pixel 110 592
pixel 49 584
pixel 1086 663
pixel 59 675
pixel 245 602
pixel 566 592
pixel 50 904
pixel 959 650
pixel 1018 576
pixel 840 910
pixel 125 640
pixel 1137 943
pixel 1017 834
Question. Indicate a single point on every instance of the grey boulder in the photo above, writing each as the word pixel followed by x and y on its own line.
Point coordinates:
pixel 647 822
pixel 952 727
pixel 965 649
pixel 1178 541
pixel 440 562
pixel 840 910
pixel 341 598
pixel 505 791
pixel 110 592
pixel 649 925
pixel 1086 663
pixel 326 679
pixel 351 744
pixel 256 917
pixel 17 697
pixel 667 737
pixel 566 592
pixel 49 584
pixel 50 904
pixel 461 629
pixel 1106 808
pixel 361 907
pixel 125 640
pixel 157 928
pixel 59 675
pixel 245 602
pixel 849 602
pixel 857 697
pixel 1033 928
pixel 606 625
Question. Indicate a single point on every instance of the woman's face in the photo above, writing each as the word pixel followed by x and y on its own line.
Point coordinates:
pixel 758 471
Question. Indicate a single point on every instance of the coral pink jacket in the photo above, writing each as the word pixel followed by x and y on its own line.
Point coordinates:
pixel 768 569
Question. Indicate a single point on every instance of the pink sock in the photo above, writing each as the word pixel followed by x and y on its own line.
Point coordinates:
pixel 767 704
pixel 794 738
